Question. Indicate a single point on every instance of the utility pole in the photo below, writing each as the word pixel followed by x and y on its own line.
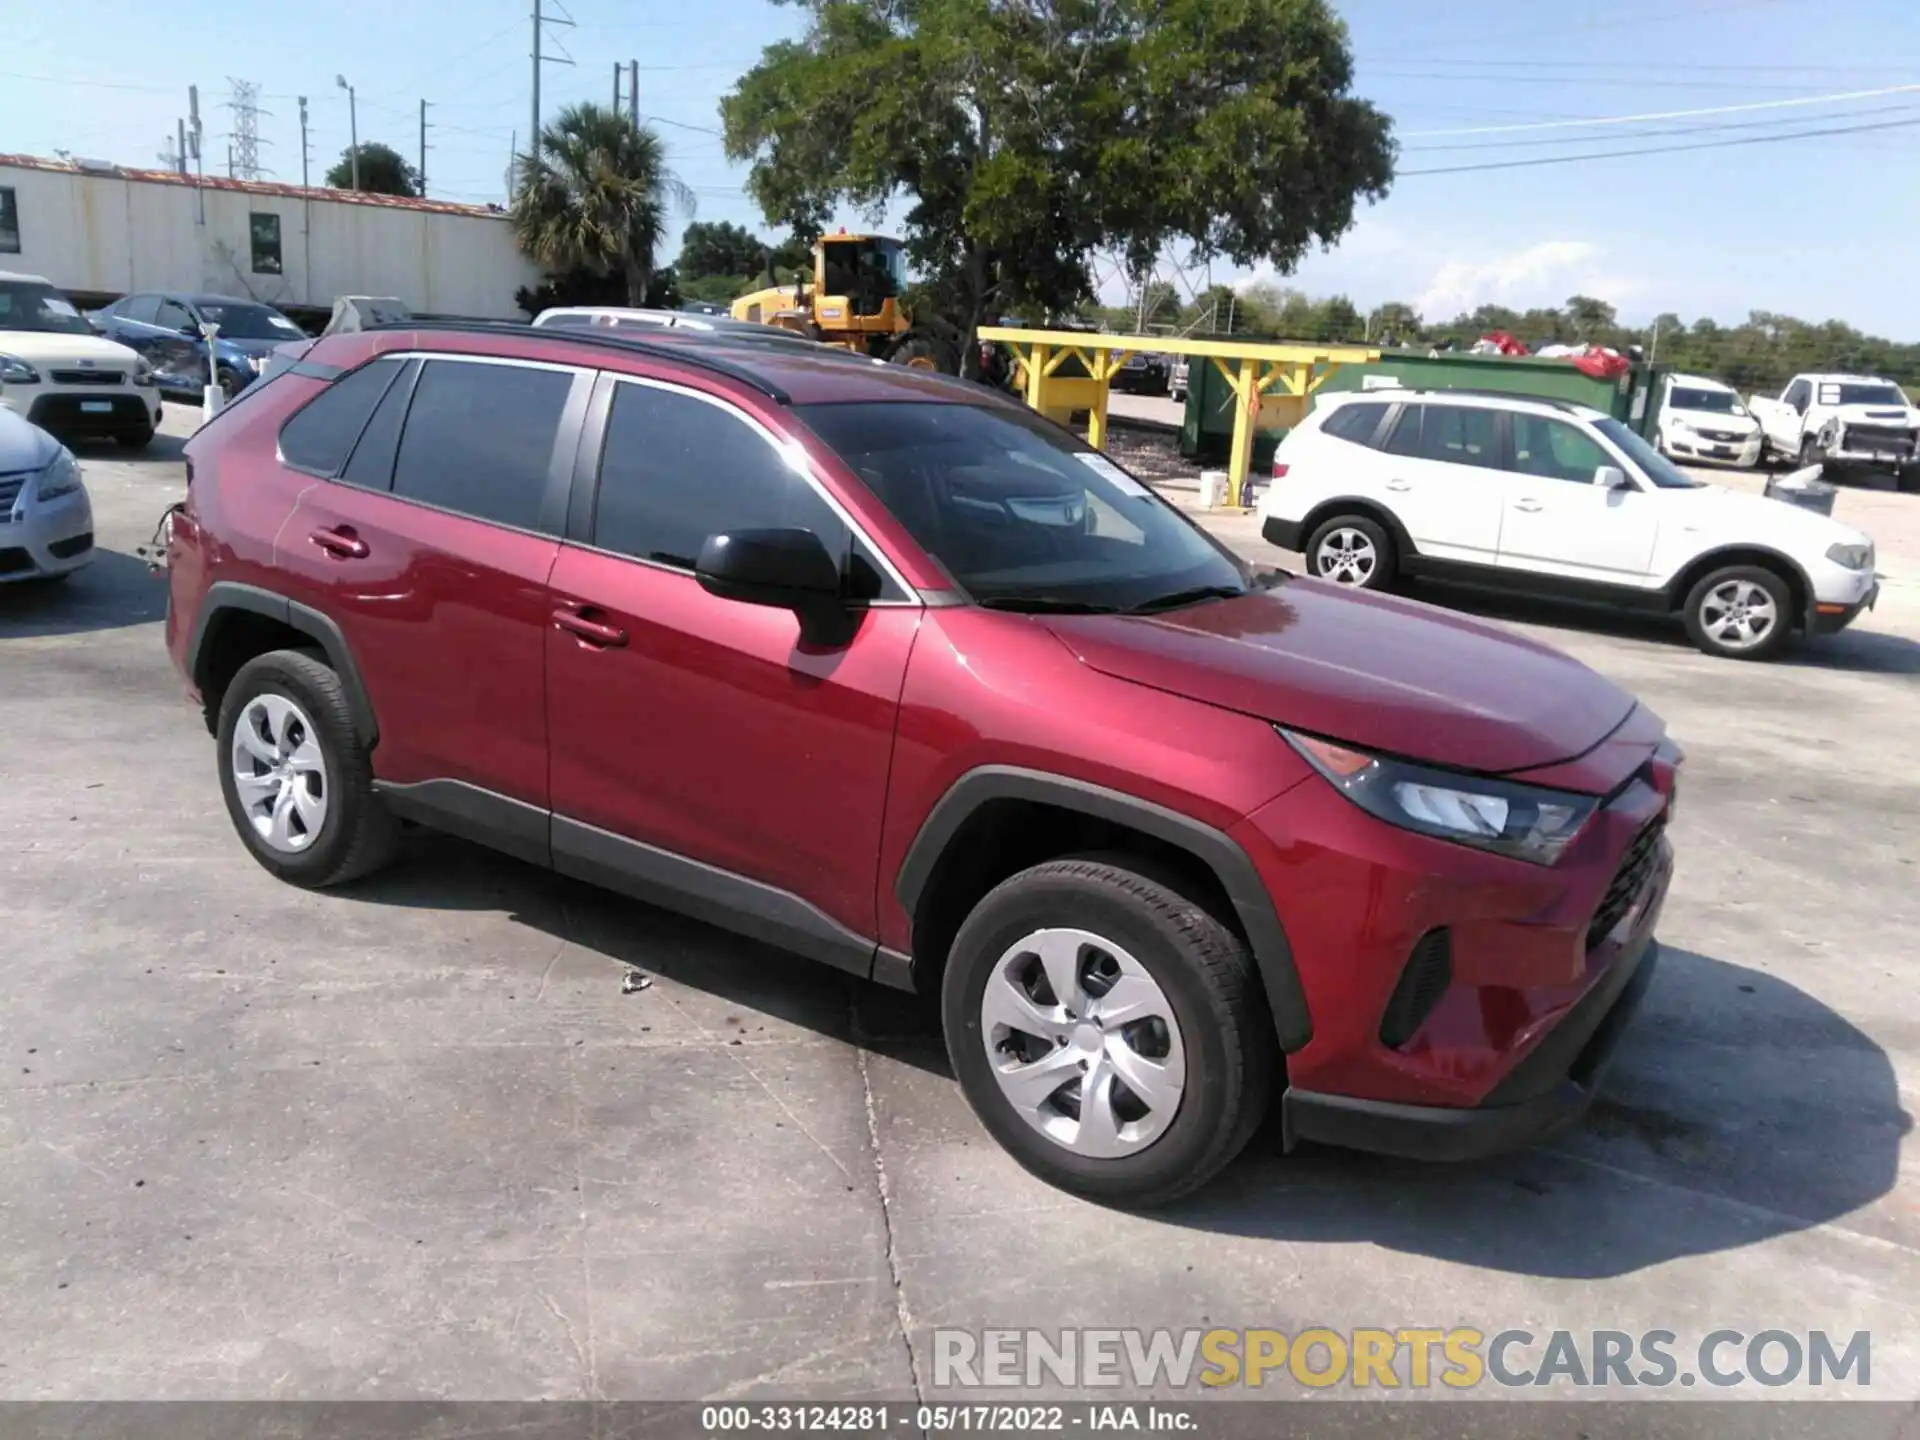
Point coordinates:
pixel 619 72
pixel 633 92
pixel 1653 350
pixel 180 145
pixel 353 129
pixel 305 151
pixel 423 149
pixel 540 20
pixel 194 136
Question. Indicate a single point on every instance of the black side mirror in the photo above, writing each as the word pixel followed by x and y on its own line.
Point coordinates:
pixel 788 569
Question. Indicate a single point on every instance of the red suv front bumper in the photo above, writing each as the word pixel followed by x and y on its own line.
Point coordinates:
pixel 1523 977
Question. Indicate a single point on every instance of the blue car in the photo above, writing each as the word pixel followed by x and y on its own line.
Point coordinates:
pixel 165 327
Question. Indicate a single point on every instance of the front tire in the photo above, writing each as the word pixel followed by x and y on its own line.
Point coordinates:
pixel 1110 1033
pixel 297 781
pixel 1352 550
pixel 1741 612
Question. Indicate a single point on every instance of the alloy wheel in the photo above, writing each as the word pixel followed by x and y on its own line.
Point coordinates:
pixel 1738 615
pixel 1083 1043
pixel 279 773
pixel 1346 557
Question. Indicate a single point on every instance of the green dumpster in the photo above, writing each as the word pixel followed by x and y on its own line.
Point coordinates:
pixel 1629 397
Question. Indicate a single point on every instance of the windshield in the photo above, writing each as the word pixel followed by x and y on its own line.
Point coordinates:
pixel 1877 393
pixel 1720 402
pixel 1655 466
pixel 25 305
pixel 1021 514
pixel 252 322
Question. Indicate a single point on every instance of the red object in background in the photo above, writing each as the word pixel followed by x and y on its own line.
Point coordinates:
pixel 1507 344
pixel 1602 364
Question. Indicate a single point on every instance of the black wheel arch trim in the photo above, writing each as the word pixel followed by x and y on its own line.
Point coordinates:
pixel 1253 906
pixel 224 596
pixel 1326 510
pixel 1722 556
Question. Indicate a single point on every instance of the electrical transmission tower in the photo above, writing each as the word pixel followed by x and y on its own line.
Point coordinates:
pixel 245 105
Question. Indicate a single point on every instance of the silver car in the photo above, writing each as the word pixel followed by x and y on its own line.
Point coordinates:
pixel 46 520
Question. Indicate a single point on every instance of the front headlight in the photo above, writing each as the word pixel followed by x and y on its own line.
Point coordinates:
pixel 1674 422
pixel 15 371
pixel 143 373
pixel 1853 557
pixel 62 477
pixel 1525 822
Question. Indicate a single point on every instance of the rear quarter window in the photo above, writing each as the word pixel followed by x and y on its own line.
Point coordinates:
pixel 1357 423
pixel 318 437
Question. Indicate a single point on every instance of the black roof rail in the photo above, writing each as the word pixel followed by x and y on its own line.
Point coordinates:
pixel 610 339
pixel 1482 392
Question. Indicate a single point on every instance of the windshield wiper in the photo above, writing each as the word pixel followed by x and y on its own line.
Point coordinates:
pixel 1046 605
pixel 1177 598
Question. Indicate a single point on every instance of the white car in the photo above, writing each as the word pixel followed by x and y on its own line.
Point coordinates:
pixel 1701 419
pixel 1557 499
pixel 57 373
pixel 1849 425
pixel 46 520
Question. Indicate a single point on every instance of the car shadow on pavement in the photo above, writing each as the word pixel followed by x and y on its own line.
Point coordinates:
pixel 1739 1109
pixel 163 449
pixel 441 872
pixel 112 591
pixel 1856 649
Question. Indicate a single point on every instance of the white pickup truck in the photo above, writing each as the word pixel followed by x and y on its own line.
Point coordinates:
pixel 1849 424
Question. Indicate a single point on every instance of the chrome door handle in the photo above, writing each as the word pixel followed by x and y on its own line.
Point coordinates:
pixel 1530 506
pixel 1399 484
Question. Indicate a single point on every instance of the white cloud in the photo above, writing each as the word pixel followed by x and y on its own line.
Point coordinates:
pixel 1544 273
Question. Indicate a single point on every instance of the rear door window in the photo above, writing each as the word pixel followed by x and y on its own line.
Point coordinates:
pixel 479 439
pixel 1452 434
pixel 371 465
pixel 319 436
pixel 138 308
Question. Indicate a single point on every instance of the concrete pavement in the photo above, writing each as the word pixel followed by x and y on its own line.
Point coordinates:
pixel 411 1140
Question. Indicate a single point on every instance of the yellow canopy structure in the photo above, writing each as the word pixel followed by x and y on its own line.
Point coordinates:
pixel 1273 383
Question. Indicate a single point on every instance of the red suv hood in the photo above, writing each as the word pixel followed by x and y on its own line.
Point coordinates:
pixel 1382 673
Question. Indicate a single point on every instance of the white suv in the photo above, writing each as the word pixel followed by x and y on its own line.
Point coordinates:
pixel 1558 499
pixel 56 372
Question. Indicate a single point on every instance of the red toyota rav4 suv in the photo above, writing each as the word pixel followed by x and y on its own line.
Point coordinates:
pixel 882 668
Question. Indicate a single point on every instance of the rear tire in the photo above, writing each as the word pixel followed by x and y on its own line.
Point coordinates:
pixel 309 814
pixel 1354 551
pixel 1205 1079
pixel 1740 612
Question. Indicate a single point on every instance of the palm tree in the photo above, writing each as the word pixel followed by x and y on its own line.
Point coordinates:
pixel 596 196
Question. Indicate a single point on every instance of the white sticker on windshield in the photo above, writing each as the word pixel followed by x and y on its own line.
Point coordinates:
pixel 1112 473
pixel 58 304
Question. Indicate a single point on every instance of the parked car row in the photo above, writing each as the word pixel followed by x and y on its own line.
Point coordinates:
pixel 166 328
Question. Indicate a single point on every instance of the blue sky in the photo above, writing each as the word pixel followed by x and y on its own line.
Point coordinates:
pixel 1817 227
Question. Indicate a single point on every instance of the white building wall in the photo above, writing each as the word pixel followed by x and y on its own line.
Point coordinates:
pixel 102 234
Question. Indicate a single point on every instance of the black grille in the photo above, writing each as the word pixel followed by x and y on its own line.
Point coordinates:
pixel 1890 438
pixel 1429 971
pixel 13 560
pixel 73 545
pixel 1635 866
pixel 85 377
pixel 60 413
pixel 1722 437
pixel 9 491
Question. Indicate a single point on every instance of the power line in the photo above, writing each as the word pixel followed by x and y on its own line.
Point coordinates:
pixel 1836 98
pixel 1650 134
pixel 1659 149
pixel 1592 82
pixel 1663 16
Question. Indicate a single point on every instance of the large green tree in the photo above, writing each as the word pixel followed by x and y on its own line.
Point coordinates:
pixel 709 248
pixel 1016 137
pixel 596 196
pixel 383 171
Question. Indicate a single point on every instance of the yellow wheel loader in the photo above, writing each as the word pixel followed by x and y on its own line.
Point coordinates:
pixel 853 302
